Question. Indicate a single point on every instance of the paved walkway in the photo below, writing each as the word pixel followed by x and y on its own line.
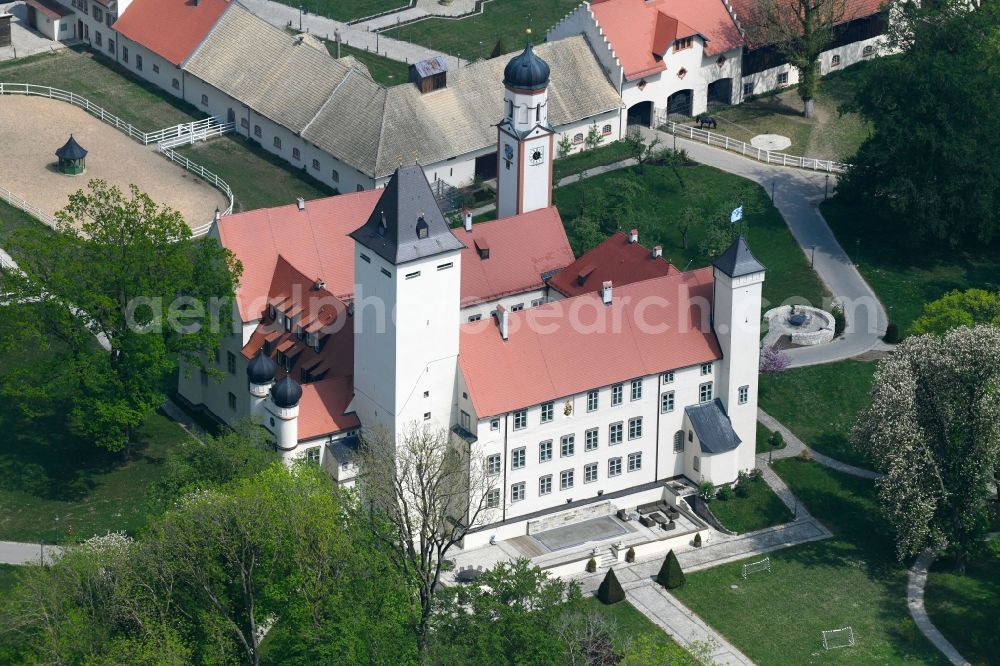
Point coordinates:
pixel 915 601
pixel 13 552
pixel 794 447
pixel 283 16
pixel 423 9
pixel 24 40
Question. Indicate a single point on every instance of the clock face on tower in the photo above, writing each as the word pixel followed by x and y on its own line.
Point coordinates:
pixel 537 155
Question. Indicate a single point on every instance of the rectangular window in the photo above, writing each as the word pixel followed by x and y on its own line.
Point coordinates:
pixel 615 433
pixel 565 479
pixel 592 401
pixel 590 473
pixel 683 43
pixel 156 70
pixel 547 411
pixel 231 362
pixel 747 89
pixel 257 132
pixel 385 273
pixel 125 53
pixel 415 274
pixel 835 61
pixel 636 389
pixel 521 419
pixel 493 464
pixel 783 79
pixel 517 492
pixel 111 44
pixel 536 302
pixel 138 62
pixel 464 417
pixel 475 317
pixel 365 258
pixel 98 41
pixel 517 458
pixel 494 424
pixel 312 455
pixel 635 428
pixel 614 466
pixel 296 155
pixel 705 392
pixel 744 394
pixel 444 267
pixel 545 451
pixel 634 462
pixel 493 499
pixel 667 377
pixel 232 402
pixel 517 307
pixel 545 484
pixel 697 464
pixel 616 395
pixel 590 439
pixel 567 446
pixel 667 402
pixel 98 14
pixel 277 140
pixel 427 416
pixel 706 369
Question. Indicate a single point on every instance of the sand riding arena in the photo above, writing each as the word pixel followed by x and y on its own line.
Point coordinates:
pixel 32 128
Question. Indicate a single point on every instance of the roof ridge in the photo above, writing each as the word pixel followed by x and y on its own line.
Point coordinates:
pixel 215 24
pixel 381 133
pixel 329 97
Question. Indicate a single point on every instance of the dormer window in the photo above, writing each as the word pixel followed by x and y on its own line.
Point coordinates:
pixel 422 228
pixel 382 225
pixel 684 43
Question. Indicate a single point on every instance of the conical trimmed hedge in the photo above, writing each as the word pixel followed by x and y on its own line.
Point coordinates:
pixel 670 575
pixel 610 591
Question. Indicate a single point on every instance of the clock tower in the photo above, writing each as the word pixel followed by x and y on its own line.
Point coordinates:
pixel 525 141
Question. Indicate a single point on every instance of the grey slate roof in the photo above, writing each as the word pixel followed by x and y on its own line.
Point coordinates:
pixel 71 150
pixel 431 66
pixel 406 205
pixel 738 260
pixel 335 104
pixel 713 427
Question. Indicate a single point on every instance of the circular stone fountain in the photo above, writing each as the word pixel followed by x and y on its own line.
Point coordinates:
pixel 803 324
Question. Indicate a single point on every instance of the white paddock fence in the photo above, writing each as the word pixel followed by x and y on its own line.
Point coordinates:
pixel 166 140
pixel 766 156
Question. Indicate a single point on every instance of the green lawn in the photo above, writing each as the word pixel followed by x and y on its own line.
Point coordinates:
pixel 760 509
pixel 629 624
pixel 904 273
pixel 851 580
pixel 763 434
pixel 103 82
pixel 474 37
pixel 346 10
pixel 386 71
pixel 8 578
pixel 610 153
pixel 657 207
pixel 966 608
pixel 820 404
pixel 258 178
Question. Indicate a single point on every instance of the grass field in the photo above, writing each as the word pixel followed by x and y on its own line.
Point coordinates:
pixel 904 273
pixel 763 434
pixel 386 71
pixel 103 82
pixel 346 10
pixel 588 159
pixel 8 578
pixel 820 404
pixel 658 204
pixel 965 608
pixel 258 179
pixel 630 624
pixel 851 580
pixel 760 509
pixel 474 37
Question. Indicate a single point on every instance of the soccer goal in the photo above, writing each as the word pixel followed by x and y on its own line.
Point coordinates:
pixel 756 567
pixel 838 638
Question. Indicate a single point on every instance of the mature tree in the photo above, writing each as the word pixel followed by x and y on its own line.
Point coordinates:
pixel 585 234
pixel 610 591
pixel 641 150
pixel 933 429
pixel 425 492
pixel 932 162
pixel 959 308
pixel 132 273
pixel 800 30
pixel 670 575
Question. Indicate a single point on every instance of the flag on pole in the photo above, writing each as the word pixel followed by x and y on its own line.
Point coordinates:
pixel 736 215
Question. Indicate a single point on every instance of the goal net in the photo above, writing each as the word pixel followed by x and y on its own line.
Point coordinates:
pixel 756 567
pixel 838 638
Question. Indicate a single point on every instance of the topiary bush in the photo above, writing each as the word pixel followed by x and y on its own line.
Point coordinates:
pixel 776 440
pixel 839 321
pixel 891 333
pixel 630 555
pixel 591 565
pixel 610 591
pixel 725 493
pixel 697 540
pixel 706 490
pixel 671 576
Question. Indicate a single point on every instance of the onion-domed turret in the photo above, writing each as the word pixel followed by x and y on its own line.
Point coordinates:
pixel 526 71
pixel 261 369
pixel 286 393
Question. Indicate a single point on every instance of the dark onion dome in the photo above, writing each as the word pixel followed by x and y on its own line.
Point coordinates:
pixel 526 71
pixel 261 369
pixel 71 151
pixel 286 393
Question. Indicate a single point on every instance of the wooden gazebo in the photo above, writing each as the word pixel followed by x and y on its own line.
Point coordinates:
pixel 72 158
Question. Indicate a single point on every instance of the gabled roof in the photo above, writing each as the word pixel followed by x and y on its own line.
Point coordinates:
pixel 738 260
pixel 569 346
pixel 640 31
pixel 322 408
pixel 51 8
pixel 713 427
pixel 522 249
pixel 406 223
pixel 617 260
pixel 172 29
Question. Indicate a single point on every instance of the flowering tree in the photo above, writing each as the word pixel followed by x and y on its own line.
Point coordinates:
pixel 934 429
pixel 773 360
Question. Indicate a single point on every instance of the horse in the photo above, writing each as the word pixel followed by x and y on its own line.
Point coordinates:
pixel 706 121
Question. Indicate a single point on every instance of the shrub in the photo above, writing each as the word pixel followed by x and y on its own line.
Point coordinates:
pixel 755 474
pixel 776 440
pixel 610 591
pixel 725 493
pixel 706 490
pixel 670 575
pixel 630 555
pixel 804 454
pixel 743 488
pixel 591 565
pixel 839 321
pixel 891 333
pixel 697 540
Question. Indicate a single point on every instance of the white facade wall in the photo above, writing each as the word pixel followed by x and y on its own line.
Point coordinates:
pixel 155 69
pixel 582 21
pixel 485 309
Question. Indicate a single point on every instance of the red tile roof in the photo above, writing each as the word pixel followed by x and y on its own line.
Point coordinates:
pixel 521 248
pixel 322 407
pixel 570 346
pixel 172 29
pixel 640 30
pixel 853 9
pixel 616 260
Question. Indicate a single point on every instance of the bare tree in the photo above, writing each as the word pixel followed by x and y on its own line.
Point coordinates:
pixel 426 491
pixel 800 30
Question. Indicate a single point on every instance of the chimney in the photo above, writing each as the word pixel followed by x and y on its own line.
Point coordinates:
pixel 302 203
pixel 467 218
pixel 606 292
pixel 633 236
pixel 503 321
pixel 657 251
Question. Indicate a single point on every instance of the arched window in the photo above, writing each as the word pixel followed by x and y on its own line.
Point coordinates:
pixel 422 228
pixel 678 441
pixel 578 138
pixel 335 176
pixel 296 155
pixel 835 61
pixel 606 130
